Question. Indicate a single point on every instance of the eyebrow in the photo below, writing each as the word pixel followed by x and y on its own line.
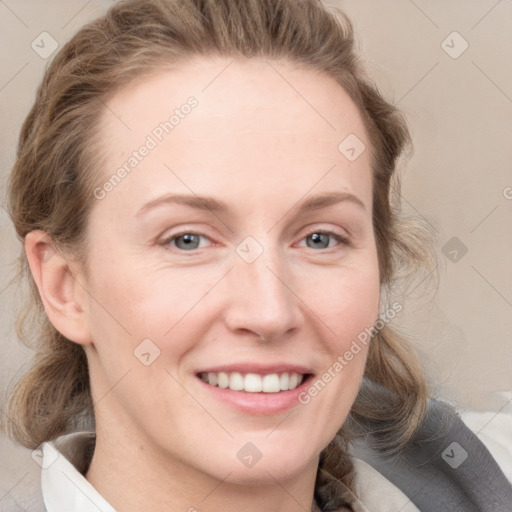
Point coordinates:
pixel 214 205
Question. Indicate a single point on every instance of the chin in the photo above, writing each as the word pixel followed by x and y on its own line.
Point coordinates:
pixel 266 472
pixel 261 461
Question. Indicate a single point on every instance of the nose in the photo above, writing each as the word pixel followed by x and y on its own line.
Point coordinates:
pixel 262 298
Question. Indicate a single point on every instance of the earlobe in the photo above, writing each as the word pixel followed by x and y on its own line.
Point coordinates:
pixel 60 292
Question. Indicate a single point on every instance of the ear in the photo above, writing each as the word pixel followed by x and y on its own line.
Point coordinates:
pixel 63 297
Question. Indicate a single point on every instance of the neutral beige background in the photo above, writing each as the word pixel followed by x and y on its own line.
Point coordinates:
pixel 460 177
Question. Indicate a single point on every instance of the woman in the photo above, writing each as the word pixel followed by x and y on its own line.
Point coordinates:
pixel 203 191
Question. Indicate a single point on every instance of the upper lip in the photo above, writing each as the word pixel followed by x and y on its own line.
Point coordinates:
pixel 261 369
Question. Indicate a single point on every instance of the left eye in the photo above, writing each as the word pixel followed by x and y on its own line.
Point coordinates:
pixel 321 239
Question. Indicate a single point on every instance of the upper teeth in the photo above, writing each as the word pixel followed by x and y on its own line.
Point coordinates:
pixel 253 382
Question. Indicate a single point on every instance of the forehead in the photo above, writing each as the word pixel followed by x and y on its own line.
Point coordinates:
pixel 256 124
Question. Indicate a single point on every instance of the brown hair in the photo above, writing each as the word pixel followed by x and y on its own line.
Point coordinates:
pixel 51 188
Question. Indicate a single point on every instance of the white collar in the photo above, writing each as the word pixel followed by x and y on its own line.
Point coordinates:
pixel 65 489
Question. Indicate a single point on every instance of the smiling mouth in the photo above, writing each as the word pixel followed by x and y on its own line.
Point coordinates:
pixel 254 382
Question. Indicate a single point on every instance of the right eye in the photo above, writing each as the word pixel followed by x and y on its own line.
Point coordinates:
pixel 185 241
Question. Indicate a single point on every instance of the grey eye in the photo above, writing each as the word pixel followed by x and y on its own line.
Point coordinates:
pixel 319 240
pixel 189 241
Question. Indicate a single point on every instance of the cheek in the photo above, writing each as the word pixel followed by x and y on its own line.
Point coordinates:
pixel 348 305
pixel 132 303
pixel 129 298
pixel 347 301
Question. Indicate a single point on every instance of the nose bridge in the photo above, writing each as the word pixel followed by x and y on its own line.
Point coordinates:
pixel 262 301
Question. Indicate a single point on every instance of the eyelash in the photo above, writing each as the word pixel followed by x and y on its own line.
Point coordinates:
pixel 339 238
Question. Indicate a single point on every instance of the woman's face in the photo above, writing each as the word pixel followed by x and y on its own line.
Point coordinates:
pixel 274 273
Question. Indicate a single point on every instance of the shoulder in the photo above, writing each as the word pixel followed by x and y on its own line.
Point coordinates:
pixel 447 466
pixel 376 493
pixel 56 475
pixel 20 478
pixel 494 429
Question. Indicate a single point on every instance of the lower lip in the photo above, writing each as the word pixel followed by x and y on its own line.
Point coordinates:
pixel 258 403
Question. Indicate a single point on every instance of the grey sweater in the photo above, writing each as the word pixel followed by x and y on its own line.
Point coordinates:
pixel 447 468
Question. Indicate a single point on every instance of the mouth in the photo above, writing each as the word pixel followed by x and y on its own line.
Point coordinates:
pixel 248 382
pixel 257 389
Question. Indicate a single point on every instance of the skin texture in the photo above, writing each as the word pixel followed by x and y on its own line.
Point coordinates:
pixel 263 147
